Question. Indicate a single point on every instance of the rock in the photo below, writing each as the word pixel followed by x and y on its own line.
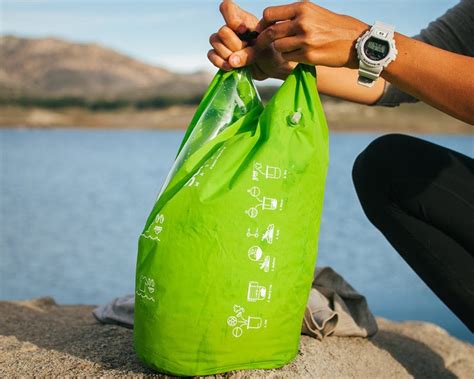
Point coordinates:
pixel 38 337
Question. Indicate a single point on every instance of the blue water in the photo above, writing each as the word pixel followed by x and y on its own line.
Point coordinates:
pixel 74 202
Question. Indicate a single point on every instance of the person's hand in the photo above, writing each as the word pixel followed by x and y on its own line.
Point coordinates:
pixel 230 52
pixel 226 40
pixel 306 33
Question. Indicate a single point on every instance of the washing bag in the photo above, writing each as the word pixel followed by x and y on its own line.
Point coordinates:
pixel 226 258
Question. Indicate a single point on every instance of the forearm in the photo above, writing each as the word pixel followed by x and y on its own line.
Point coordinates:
pixel 342 83
pixel 440 78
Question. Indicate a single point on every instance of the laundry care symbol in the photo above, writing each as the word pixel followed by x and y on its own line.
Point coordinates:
pixel 265 203
pixel 239 323
pixel 267 263
pixel 268 172
pixel 256 292
pixel 155 228
pixel 269 235
pixel 146 288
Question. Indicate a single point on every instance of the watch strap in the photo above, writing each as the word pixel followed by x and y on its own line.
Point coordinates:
pixel 368 75
pixel 383 30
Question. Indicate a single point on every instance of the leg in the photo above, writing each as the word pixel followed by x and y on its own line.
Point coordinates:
pixel 421 197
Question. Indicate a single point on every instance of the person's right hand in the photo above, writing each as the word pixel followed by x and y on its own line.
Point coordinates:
pixel 230 52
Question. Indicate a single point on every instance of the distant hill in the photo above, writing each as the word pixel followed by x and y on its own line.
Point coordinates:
pixel 54 68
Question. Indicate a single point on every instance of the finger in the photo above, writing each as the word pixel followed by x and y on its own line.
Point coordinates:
pixel 277 31
pixel 219 47
pixel 217 61
pixel 232 15
pixel 275 14
pixel 288 44
pixel 242 57
pixel 296 56
pixel 257 73
pixel 230 39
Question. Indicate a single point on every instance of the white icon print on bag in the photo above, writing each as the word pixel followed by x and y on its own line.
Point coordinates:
pixel 269 235
pixel 146 288
pixel 239 323
pixel 266 203
pixel 155 228
pixel 270 172
pixel 257 292
pixel 255 254
pixel 193 181
pixel 254 234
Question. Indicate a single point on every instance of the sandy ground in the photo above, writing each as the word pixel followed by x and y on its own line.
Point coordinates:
pixel 343 116
pixel 40 338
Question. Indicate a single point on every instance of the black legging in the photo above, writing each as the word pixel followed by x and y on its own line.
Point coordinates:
pixel 421 197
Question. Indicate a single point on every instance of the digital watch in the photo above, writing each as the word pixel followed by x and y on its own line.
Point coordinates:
pixel 375 50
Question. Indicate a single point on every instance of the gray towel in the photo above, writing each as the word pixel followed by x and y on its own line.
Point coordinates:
pixel 334 309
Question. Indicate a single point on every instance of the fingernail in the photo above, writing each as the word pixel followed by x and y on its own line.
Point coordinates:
pixel 235 60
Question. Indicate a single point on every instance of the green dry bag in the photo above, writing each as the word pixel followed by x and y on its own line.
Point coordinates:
pixel 226 258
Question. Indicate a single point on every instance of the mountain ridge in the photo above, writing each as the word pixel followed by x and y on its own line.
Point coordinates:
pixel 52 68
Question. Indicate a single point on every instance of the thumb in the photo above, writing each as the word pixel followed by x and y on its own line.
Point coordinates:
pixel 242 57
pixel 235 17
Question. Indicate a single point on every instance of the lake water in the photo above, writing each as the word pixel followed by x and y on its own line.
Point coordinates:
pixel 74 202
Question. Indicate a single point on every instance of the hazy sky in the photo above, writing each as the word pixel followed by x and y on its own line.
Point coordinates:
pixel 175 33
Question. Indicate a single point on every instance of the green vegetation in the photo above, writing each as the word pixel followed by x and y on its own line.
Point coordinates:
pixel 153 102
pixel 100 104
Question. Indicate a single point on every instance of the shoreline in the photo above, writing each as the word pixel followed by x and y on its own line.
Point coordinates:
pixel 39 337
pixel 341 117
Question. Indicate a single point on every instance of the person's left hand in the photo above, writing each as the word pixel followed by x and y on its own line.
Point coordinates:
pixel 306 33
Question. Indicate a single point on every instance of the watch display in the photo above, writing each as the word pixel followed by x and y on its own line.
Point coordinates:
pixel 376 49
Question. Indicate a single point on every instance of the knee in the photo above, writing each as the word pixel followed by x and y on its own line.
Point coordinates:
pixel 371 164
pixel 372 172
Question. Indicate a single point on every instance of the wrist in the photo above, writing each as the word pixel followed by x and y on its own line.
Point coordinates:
pixel 359 29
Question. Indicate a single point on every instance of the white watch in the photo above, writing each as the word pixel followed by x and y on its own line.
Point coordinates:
pixel 375 50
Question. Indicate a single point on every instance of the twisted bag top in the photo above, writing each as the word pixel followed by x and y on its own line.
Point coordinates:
pixel 226 258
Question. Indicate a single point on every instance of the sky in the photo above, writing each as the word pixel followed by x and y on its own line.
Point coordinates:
pixel 175 34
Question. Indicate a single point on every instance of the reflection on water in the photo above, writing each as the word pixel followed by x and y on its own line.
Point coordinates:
pixel 74 202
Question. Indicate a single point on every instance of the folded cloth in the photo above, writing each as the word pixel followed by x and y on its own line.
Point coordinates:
pixel 334 308
pixel 119 311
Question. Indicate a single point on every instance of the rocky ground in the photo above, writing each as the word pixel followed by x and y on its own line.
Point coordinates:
pixel 40 338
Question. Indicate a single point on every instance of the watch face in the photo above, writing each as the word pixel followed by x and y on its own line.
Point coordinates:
pixel 376 49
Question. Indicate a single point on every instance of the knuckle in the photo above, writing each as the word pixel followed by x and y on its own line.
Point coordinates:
pixel 277 46
pixel 303 7
pixel 303 25
pixel 271 32
pixel 306 43
pixel 307 55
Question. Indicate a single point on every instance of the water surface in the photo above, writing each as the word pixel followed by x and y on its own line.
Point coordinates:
pixel 74 202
